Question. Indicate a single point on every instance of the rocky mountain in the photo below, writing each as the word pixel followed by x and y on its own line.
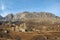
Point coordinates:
pixel 9 17
pixel 32 16
pixel 36 16
pixel 1 18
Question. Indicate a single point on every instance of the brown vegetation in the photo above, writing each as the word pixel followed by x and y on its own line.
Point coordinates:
pixel 30 30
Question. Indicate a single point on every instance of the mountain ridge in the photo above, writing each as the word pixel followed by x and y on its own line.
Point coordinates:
pixel 34 16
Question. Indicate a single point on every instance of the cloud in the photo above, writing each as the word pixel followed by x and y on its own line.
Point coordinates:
pixel 2 7
pixel 5 8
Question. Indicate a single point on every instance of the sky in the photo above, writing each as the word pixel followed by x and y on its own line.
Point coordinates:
pixel 15 6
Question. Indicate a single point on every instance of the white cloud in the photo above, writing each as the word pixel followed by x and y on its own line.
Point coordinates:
pixel 2 7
